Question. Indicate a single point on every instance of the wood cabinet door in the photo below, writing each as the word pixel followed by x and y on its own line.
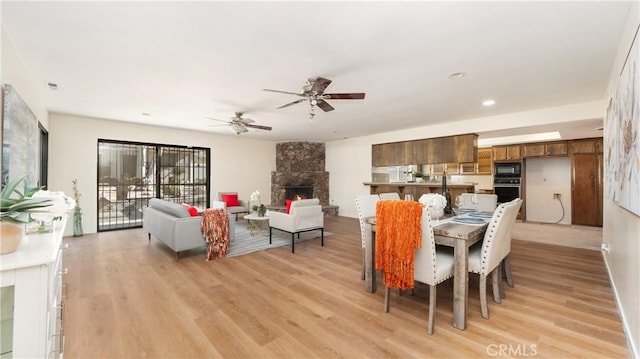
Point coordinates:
pixel 513 152
pixel 585 192
pixel 583 146
pixel 499 153
pixel 556 148
pixel 534 150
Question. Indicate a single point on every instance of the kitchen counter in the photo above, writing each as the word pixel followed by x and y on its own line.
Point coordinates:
pixel 418 189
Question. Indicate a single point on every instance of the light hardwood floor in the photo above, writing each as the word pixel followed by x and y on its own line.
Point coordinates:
pixel 127 298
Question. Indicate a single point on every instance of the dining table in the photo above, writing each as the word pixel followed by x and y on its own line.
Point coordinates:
pixel 460 236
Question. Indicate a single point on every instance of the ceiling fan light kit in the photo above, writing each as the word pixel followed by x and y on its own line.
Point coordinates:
pixel 313 91
pixel 239 124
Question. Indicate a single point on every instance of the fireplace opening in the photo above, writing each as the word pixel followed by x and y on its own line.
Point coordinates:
pixel 298 192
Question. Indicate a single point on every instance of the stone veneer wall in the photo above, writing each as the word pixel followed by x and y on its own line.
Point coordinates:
pixel 300 164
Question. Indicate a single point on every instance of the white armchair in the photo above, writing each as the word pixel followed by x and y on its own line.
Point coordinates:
pixel 304 215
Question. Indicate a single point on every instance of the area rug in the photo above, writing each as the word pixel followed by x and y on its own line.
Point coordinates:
pixel 244 242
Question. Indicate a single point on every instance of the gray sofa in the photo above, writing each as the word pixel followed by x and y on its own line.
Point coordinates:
pixel 172 224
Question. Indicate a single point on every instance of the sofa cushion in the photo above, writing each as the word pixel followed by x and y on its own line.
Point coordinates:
pixel 230 199
pixel 288 204
pixel 193 211
pixel 171 208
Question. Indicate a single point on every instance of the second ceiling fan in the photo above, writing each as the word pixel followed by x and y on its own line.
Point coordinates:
pixel 313 91
pixel 239 124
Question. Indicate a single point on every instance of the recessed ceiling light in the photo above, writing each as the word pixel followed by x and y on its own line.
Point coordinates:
pixel 456 75
pixel 488 102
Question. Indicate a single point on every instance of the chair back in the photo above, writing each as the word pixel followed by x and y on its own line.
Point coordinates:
pixel 497 239
pixel 307 213
pixel 486 202
pixel 389 195
pixel 425 266
pixel 366 206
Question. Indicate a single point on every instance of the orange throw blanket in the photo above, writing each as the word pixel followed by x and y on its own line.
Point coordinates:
pixel 398 234
pixel 215 228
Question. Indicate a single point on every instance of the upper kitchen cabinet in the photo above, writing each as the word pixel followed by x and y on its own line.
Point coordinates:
pixel 507 153
pixel 589 145
pixel 485 161
pixel 450 149
pixel 545 149
pixel 391 154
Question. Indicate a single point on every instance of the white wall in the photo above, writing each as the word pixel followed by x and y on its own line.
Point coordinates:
pixel 347 176
pixel 621 228
pixel 16 74
pixel 237 164
pixel 544 177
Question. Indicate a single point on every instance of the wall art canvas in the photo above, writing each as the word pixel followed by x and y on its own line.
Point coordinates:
pixel 19 139
pixel 611 152
pixel 629 129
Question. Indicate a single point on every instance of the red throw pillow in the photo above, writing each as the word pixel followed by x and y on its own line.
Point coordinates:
pixel 193 211
pixel 230 199
pixel 288 203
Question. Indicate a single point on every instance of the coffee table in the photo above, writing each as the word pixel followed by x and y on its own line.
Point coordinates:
pixel 256 223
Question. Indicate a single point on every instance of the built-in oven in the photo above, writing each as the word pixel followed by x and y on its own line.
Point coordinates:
pixel 507 188
pixel 507 170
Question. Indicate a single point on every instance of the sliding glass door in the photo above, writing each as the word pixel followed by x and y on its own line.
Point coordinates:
pixel 129 174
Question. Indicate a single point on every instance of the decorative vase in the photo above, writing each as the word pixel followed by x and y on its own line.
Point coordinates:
pixel 77 222
pixel 10 236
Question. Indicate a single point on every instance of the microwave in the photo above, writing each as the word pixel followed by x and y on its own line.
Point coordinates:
pixel 507 169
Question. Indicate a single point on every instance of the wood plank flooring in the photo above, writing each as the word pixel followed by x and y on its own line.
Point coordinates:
pixel 128 298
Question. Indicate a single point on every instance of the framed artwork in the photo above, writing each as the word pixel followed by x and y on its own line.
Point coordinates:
pixel 628 137
pixel 19 139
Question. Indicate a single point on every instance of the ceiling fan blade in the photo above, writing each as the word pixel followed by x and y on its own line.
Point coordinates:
pixel 319 85
pixel 292 103
pixel 324 106
pixel 344 96
pixel 215 119
pixel 287 92
pixel 259 127
pixel 245 121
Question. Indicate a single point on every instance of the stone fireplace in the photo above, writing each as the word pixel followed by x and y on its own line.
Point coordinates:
pixel 300 171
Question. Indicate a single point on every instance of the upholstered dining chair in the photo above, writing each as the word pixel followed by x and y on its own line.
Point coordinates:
pixel 431 266
pixel 389 195
pixel 485 257
pixel 366 207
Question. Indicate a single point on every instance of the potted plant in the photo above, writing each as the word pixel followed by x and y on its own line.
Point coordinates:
pixel 20 206
pixel 418 176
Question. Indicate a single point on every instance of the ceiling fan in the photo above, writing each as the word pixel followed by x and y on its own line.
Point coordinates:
pixel 239 124
pixel 313 91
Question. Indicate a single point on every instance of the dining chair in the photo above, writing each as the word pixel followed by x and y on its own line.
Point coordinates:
pixel 366 207
pixel 485 257
pixel 506 262
pixel 431 265
pixel 389 195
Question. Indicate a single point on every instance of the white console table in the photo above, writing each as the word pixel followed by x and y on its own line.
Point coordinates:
pixel 35 271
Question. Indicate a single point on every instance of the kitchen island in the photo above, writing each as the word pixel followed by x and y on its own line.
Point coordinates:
pixel 418 189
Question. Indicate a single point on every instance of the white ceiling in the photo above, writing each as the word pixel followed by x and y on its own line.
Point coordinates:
pixel 184 61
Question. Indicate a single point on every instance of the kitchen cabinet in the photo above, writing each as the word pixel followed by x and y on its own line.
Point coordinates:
pixel 485 161
pixel 586 189
pixel 35 273
pixel 590 145
pixel 546 149
pixel 506 153
pixel 450 149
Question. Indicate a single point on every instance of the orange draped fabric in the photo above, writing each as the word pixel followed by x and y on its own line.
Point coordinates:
pixel 398 234
pixel 215 228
